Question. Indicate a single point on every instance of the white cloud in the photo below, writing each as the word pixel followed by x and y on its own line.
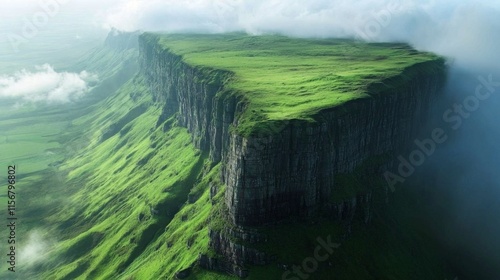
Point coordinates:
pixel 46 85
pixel 35 249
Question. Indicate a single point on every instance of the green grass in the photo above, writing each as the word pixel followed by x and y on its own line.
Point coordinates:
pixel 283 78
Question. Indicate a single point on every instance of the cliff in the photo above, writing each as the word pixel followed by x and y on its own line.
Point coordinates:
pixel 293 172
pixel 276 168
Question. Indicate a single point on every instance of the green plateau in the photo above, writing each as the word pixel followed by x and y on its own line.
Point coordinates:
pixel 282 78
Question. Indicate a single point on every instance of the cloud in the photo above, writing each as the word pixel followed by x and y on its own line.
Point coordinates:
pixel 35 249
pixel 46 85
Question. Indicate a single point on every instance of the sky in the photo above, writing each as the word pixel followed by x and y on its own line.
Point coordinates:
pixel 427 24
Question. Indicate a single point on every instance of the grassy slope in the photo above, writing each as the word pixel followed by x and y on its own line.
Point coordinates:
pixel 285 78
pixel 107 228
pixel 126 175
pixel 30 137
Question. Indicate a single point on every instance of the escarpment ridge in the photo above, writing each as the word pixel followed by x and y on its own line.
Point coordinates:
pixel 329 105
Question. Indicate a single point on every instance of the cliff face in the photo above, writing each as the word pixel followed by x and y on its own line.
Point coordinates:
pixel 291 171
pixel 190 92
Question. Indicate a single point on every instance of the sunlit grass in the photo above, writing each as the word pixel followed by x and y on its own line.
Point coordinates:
pixel 284 78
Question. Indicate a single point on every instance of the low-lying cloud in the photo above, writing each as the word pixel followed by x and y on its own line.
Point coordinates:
pixel 35 249
pixel 46 85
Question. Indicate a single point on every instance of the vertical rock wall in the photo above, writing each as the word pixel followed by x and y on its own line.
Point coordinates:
pixel 291 172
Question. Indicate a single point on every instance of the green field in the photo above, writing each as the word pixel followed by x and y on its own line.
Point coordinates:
pixel 283 78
